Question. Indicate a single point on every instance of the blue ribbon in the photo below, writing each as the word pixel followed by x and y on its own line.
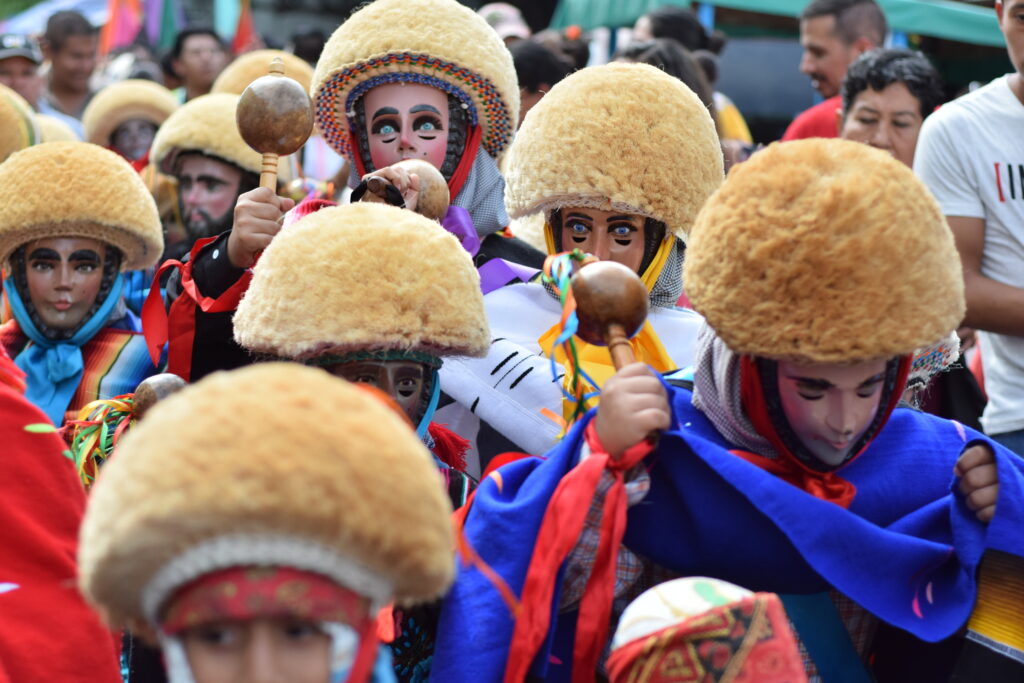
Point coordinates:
pixel 497 272
pixel 435 397
pixel 54 368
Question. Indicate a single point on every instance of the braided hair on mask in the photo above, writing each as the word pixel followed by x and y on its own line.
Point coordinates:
pixel 458 128
pixel 19 272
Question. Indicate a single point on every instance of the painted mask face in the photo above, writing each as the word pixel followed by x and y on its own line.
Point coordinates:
pixel 207 192
pixel 406 121
pixel 258 650
pixel 830 406
pixel 405 381
pixel 64 276
pixel 608 235
pixel 132 138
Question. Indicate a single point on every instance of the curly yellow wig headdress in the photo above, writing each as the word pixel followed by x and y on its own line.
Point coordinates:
pixel 100 196
pixel 625 137
pixel 434 42
pixel 272 465
pixel 824 251
pixel 363 277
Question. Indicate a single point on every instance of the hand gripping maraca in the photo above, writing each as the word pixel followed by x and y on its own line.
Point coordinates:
pixel 433 197
pixel 275 117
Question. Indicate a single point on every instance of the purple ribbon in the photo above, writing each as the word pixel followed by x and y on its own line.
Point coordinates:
pixel 495 273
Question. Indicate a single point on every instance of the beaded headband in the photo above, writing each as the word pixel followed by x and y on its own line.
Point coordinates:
pixel 477 94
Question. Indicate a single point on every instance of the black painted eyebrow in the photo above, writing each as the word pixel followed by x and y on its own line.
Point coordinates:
pixel 85 255
pixel 580 216
pixel 627 218
pixel 44 254
pixel 872 380
pixel 424 107
pixel 388 111
pixel 812 382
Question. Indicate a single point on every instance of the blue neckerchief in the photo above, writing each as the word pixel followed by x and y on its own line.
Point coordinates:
pixel 54 368
pixel 435 396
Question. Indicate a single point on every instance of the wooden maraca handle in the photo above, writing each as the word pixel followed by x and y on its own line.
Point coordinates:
pixel 618 346
pixel 268 173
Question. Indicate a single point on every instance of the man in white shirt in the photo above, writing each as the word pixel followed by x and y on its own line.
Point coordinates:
pixel 971 155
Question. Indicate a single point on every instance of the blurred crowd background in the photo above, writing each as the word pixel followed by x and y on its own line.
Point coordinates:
pixel 750 49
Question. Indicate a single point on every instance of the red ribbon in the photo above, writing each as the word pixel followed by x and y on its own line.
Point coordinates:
pixel 177 326
pixel 559 532
pixel 825 485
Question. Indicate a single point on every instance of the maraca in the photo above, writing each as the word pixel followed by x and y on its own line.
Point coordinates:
pixel 275 117
pixel 154 389
pixel 434 197
pixel 611 305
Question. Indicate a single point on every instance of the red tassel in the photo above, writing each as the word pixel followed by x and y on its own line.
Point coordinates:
pixel 449 446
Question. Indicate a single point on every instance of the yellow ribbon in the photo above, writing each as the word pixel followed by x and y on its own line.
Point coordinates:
pixel 595 360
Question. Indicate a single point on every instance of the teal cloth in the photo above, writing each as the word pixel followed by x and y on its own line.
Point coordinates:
pixel 827 641
pixel 54 369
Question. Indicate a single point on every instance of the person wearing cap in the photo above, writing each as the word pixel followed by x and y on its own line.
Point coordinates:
pixel 43 505
pixel 125 116
pixel 20 59
pixel 271 568
pixel 506 20
pixel 788 467
pixel 64 262
pixel 621 179
pixel 702 624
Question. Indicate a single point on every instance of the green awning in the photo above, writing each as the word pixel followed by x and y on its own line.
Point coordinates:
pixel 938 18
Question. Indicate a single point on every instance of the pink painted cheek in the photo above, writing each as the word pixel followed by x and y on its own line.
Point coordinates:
pixel 383 153
pixel 434 150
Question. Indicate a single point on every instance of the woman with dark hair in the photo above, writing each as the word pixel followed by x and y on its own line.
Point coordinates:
pixel 677 23
pixel 887 94
pixel 675 60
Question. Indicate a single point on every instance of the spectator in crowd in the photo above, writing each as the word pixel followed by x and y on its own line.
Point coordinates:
pixel 308 43
pixel 730 121
pixel 571 42
pixel 20 58
pixel 674 59
pixel 198 57
pixel 538 68
pixel 677 23
pixel 833 33
pixel 887 94
pixel 970 154
pixel 70 44
pixel 507 21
